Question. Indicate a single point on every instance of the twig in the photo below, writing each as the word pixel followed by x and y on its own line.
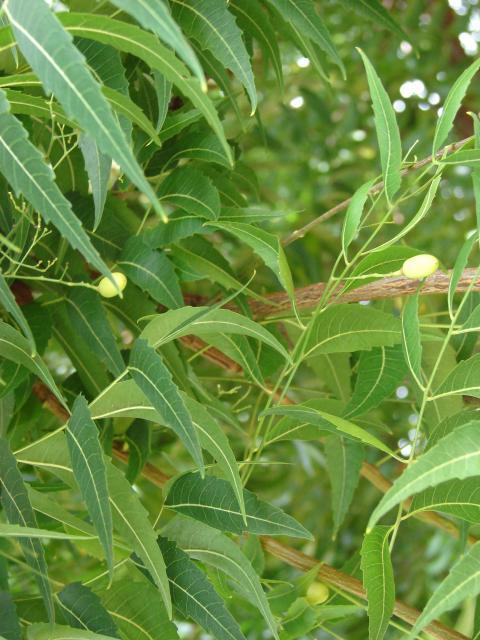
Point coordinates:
pixel 341 206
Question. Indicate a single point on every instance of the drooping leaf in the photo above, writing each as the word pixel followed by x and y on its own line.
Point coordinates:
pixel 194 596
pixel 212 501
pixel 412 344
pixel 213 548
pixel 460 264
pixel 89 469
pixel 454 456
pixel 378 580
pixel 155 380
pixel 388 134
pixel 210 23
pixel 55 60
pixel 152 271
pixel 83 609
pixel 19 513
pixel 353 215
pixel 8 302
pixel 379 373
pixel 98 166
pixel 192 191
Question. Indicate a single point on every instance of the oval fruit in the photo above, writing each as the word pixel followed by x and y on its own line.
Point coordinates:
pixel 317 593
pixel 420 266
pixel 106 287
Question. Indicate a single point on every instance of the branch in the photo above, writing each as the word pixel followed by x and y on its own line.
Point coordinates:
pixel 376 188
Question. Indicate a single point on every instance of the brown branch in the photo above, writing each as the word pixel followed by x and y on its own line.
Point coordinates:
pixel 376 188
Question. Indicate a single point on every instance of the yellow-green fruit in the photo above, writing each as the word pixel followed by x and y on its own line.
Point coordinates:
pixel 317 593
pixel 420 266
pixel 106 287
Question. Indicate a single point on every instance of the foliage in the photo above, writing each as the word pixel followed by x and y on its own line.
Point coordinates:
pixel 212 357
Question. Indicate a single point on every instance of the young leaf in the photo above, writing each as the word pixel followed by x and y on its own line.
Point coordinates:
pixel 212 501
pixel 152 271
pixel 194 596
pixel 83 609
pixel 452 105
pixel 155 380
pixel 19 513
pixel 25 169
pixel 378 580
pixel 209 23
pixel 8 302
pixel 89 469
pixel 353 216
pixel 454 456
pixel 388 134
pixel 213 548
pixel 379 373
pixel 55 60
pixel 412 345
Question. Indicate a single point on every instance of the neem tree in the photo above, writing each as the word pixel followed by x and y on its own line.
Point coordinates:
pixel 170 404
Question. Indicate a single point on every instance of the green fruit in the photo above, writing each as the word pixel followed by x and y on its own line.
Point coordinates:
pixel 420 266
pixel 107 289
pixel 317 593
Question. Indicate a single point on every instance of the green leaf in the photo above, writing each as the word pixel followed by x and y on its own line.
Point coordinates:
pixel 137 608
pixel 212 501
pixel 378 580
pixel 374 10
pixel 195 145
pixel 329 422
pixel 34 533
pixel 62 68
pixel 24 168
pixel 462 380
pixel 89 470
pixel 411 340
pixel 466 157
pixel 126 107
pixel 194 596
pixel 8 302
pixel 9 623
pixel 213 548
pixel 388 134
pixel 154 15
pixel 460 264
pixel 155 380
pixel 88 318
pixel 98 166
pixel 462 582
pixel 342 328
pixel 42 631
pixel 344 459
pixel 457 455
pixel 452 105
pixel 458 498
pixel 353 216
pixel 20 515
pixel 163 91
pixel 209 23
pixel 193 192
pixel 199 321
pixel 476 171
pixel 131 521
pixel 132 39
pixel 83 609
pixel 379 373
pixel 14 347
pixel 377 263
pixel 152 271
pixel 304 18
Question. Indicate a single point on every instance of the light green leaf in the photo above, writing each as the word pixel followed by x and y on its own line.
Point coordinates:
pixel 462 582
pixel 194 596
pixel 378 580
pixel 83 609
pixel 343 327
pixel 353 216
pixel 457 455
pixel 411 340
pixel 329 422
pixel 40 631
pixel 193 192
pixel 464 379
pixel 131 39
pixel 152 271
pixel 466 157
pixel 460 264
pixel 23 166
pixel 20 515
pixel 34 533
pixel 452 105
pixel 155 380
pixel 56 61
pixel 154 15
pixel 212 501
pixel 8 302
pixel 131 521
pixel 379 373
pixel 89 470
pixel 209 23
pixel 213 548
pixel 388 135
